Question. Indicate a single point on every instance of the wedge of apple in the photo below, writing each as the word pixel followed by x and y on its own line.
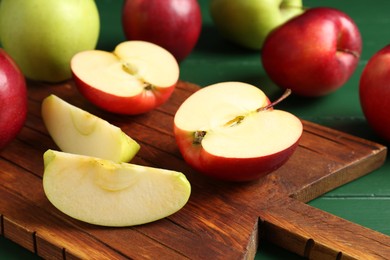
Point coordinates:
pixel 135 78
pixel 105 193
pixel 77 131
pixel 230 131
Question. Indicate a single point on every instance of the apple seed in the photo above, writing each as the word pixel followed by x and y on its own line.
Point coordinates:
pixel 235 121
pixel 130 68
pixel 133 70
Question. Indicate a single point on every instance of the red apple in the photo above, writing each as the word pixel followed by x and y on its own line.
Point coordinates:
pixel 135 78
pixel 374 92
pixel 13 99
pixel 314 53
pixel 229 132
pixel 173 24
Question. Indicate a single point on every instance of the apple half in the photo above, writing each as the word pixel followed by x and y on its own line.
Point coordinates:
pixel 77 131
pixel 105 193
pixel 231 132
pixel 135 78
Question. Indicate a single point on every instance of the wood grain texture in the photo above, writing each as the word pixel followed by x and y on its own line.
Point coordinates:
pixel 220 221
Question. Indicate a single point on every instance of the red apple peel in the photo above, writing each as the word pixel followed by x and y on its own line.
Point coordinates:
pixel 231 138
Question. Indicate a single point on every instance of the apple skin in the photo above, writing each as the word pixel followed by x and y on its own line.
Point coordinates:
pixel 151 62
pixel 75 130
pixel 173 24
pixel 374 92
pixel 248 22
pixel 212 109
pixel 226 169
pixel 313 54
pixel 13 99
pixel 112 194
pixel 42 36
pixel 139 104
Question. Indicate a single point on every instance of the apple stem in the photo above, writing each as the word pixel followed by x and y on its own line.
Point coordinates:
pixel 353 53
pixel 286 93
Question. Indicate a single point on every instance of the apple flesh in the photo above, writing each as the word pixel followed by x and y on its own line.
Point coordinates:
pixel 42 36
pixel 135 78
pixel 13 99
pixel 248 22
pixel 313 54
pixel 77 131
pixel 223 131
pixel 105 193
pixel 374 92
pixel 172 24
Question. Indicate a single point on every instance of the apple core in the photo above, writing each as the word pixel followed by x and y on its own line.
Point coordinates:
pixel 230 131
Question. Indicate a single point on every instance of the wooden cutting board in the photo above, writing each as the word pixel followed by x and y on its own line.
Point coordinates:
pixel 220 221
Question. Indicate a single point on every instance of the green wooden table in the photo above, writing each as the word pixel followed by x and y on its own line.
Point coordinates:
pixel 365 201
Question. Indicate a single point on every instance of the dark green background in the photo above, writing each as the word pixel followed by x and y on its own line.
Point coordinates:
pixel 365 201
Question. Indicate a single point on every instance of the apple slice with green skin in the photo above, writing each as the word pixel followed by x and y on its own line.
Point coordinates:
pixel 135 78
pixel 77 131
pixel 105 193
pixel 230 131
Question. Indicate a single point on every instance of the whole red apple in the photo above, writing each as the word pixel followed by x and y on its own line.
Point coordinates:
pixel 13 99
pixel 173 24
pixel 374 92
pixel 314 53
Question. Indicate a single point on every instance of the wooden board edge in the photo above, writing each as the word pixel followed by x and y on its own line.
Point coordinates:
pixel 315 234
pixel 343 176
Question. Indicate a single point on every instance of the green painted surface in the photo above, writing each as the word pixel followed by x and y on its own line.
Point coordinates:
pixel 365 201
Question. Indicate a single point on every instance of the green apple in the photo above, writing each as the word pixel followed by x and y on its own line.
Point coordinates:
pixel 77 131
pixel 248 22
pixel 105 193
pixel 42 36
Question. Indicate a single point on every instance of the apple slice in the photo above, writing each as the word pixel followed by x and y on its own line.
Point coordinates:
pixel 231 132
pixel 77 131
pixel 135 78
pixel 105 193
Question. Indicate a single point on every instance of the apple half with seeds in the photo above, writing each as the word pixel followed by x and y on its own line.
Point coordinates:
pixel 105 193
pixel 135 78
pixel 230 131
pixel 75 130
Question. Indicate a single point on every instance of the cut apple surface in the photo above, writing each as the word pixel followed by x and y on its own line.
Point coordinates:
pixel 105 193
pixel 227 131
pixel 77 131
pixel 135 78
